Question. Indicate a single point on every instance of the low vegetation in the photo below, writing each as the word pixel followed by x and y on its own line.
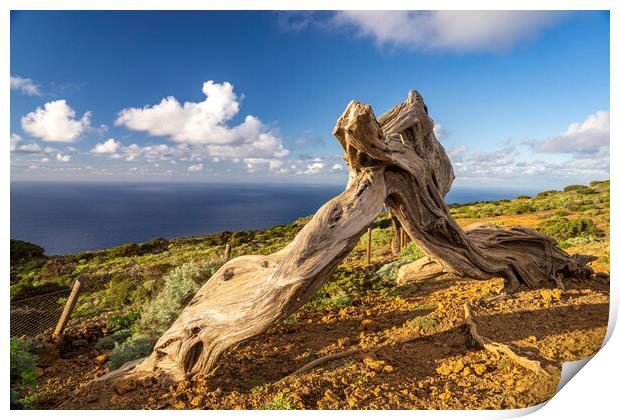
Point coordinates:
pixel 142 288
pixel 22 371
pixel 179 287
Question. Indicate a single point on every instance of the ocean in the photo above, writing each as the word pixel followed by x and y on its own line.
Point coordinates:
pixel 67 217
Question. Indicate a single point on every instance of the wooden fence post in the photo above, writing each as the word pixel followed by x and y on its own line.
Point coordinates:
pixel 66 312
pixel 227 252
pixel 406 238
pixel 368 246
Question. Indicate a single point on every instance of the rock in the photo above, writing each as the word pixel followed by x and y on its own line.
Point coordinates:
pixel 466 371
pixel 550 295
pixel 376 365
pixel 196 401
pixel 388 368
pixel 126 385
pixel 445 396
pixel 80 343
pixel 46 353
pixel 344 342
pixel 480 369
pixel 182 386
pixel 521 387
pixel 101 358
pixel 458 366
pixel 444 369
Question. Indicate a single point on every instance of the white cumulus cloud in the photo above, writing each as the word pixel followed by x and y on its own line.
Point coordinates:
pixel 15 140
pixel 63 158
pixel 25 86
pixel 206 124
pixel 463 31
pixel 195 168
pixel 55 122
pixel 17 145
pixel 587 137
pixel 110 146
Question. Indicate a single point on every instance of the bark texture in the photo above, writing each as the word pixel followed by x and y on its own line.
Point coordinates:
pixel 394 159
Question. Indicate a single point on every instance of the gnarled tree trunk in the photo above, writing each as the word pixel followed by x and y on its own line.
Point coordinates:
pixel 395 160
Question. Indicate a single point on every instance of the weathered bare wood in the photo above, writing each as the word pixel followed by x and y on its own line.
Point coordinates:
pixel 227 252
pixel 500 348
pixel 419 271
pixel 251 293
pixel 395 244
pixel 66 312
pixel 395 160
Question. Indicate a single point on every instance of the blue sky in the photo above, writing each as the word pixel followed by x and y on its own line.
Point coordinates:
pixel 518 98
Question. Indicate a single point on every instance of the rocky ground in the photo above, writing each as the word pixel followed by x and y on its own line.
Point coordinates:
pixel 415 353
pixel 407 347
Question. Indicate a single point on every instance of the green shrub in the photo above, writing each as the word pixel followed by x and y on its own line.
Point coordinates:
pixel 180 285
pixel 521 208
pixel 575 207
pixel 574 187
pixel 135 347
pixel 579 189
pixel 279 402
pixel 22 366
pixel 422 322
pixel 110 341
pixel 563 229
pixel 22 361
pixel 331 296
pixel 546 193
pixel 25 290
pixel 22 250
pixel 380 237
pixel 599 183
pixel 576 241
pixel 123 321
pixel 409 253
pixel 524 197
pixel 154 246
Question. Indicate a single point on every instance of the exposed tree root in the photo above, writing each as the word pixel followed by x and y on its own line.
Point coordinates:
pixel 322 360
pixel 499 348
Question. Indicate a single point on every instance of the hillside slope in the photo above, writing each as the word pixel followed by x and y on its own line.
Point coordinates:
pixel 409 347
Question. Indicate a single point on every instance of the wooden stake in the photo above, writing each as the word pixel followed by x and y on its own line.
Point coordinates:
pixel 227 252
pixel 406 238
pixel 397 235
pixel 66 312
pixel 368 246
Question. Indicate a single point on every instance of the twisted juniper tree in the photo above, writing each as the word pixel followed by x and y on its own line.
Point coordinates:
pixel 394 160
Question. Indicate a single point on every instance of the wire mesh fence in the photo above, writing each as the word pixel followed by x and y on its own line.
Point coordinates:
pixel 32 316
